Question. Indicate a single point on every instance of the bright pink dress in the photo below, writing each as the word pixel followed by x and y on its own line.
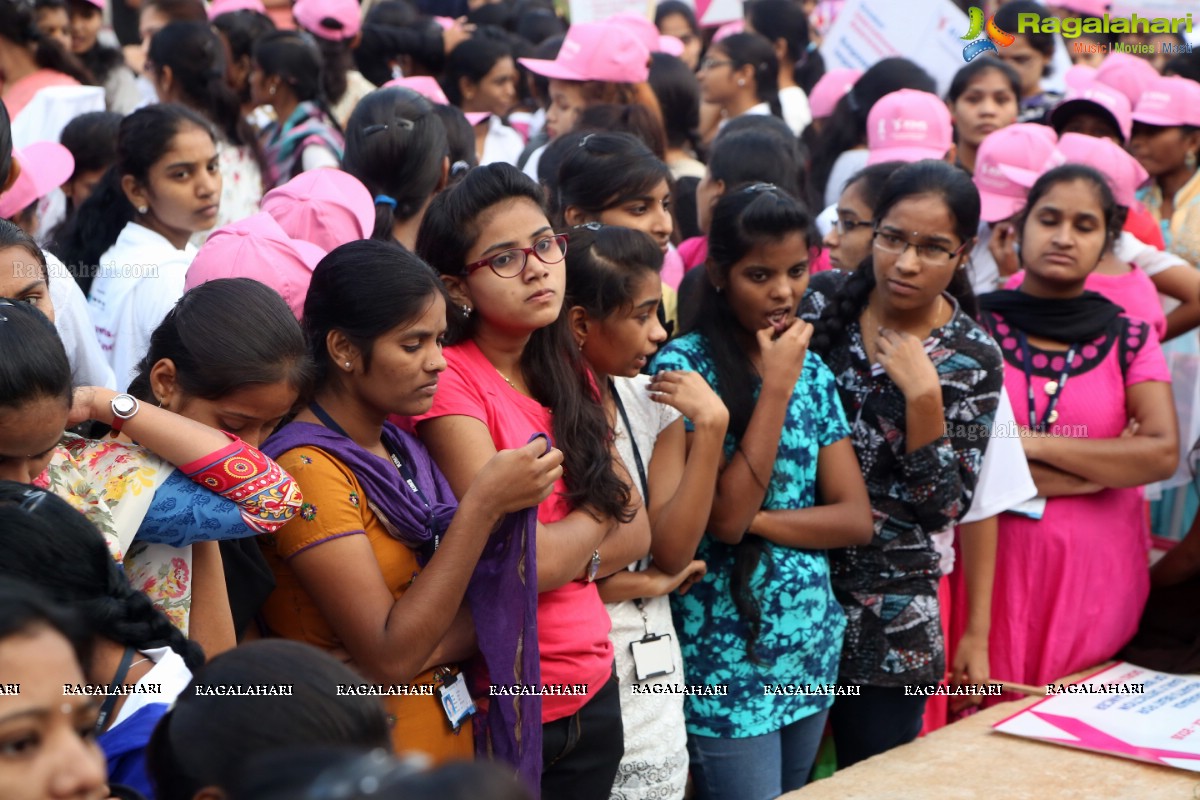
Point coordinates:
pixel 1133 291
pixel 1070 588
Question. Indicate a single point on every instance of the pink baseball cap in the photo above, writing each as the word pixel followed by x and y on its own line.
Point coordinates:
pixel 431 90
pixel 1126 73
pixel 1125 175
pixel 596 51
pixel 645 30
pixel 1079 76
pixel 256 247
pixel 908 126
pixel 1008 162
pixel 1168 102
pixel 45 166
pixel 220 7
pixel 1095 96
pixel 327 207
pixel 729 29
pixel 832 87
pixel 330 19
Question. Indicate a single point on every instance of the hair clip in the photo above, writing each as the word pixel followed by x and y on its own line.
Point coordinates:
pixel 459 168
pixel 9 303
pixel 591 226
pixel 385 199
pixel 760 187
pixel 583 142
pixel 33 499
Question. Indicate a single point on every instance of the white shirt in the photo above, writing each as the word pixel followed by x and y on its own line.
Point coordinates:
pixel 169 673
pixel 796 112
pixel 531 163
pixel 848 163
pixel 140 279
pixel 1004 480
pixel 73 320
pixel 502 143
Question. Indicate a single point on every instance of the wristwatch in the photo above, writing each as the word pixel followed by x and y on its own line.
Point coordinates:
pixel 124 406
pixel 593 567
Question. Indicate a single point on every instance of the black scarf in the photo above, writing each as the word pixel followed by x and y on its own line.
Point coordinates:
pixel 1076 319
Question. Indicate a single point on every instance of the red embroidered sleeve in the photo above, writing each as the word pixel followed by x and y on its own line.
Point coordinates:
pixel 266 495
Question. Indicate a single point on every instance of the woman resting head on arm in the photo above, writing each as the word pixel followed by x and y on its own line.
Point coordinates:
pixel 42 648
pixel 53 546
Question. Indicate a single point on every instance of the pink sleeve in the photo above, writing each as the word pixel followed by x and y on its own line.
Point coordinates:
pixel 1015 280
pixel 266 495
pixel 458 392
pixel 1145 362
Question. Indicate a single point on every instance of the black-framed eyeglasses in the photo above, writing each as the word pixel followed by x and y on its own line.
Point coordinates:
pixel 928 253
pixel 846 226
pixel 511 263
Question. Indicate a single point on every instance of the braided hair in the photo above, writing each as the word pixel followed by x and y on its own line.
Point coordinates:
pixel 757 51
pixel 928 177
pixel 50 544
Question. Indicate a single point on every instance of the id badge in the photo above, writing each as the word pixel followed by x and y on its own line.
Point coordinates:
pixel 1033 508
pixel 456 700
pixel 652 656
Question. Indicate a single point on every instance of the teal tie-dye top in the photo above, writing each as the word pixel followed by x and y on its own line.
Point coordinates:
pixel 802 623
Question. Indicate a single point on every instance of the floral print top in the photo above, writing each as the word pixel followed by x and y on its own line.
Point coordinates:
pixel 150 512
pixel 802 623
pixel 889 587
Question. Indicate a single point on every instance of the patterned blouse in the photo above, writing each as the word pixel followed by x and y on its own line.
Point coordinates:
pixel 802 622
pixel 889 587
pixel 150 512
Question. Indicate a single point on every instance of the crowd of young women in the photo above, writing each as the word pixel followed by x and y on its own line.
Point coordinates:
pixel 584 400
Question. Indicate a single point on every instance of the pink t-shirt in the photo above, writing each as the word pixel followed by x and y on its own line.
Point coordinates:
pixel 1133 291
pixel 573 624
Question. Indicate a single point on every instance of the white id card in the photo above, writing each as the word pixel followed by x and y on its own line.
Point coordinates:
pixel 1033 508
pixel 456 700
pixel 652 656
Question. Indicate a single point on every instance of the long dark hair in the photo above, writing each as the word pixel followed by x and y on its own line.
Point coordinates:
pixel 291 57
pixel 223 335
pixel 192 748
pixel 634 119
pixel 35 363
pixel 364 289
pixel 24 608
pixel 50 544
pixel 241 30
pixel 603 264
pixel 196 56
pixel 756 50
pixel 955 188
pixel 761 154
pixel 92 140
pixel 472 63
pixel 605 170
pixel 846 127
pixel 17 26
pixel 101 60
pixel 145 137
pixel 395 145
pixel 678 94
pixel 742 220
pixel 783 19
pixel 557 375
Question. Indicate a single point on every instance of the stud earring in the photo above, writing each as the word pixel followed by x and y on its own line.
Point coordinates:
pixel 741 81
pixel 143 209
pixel 271 91
pixel 466 309
pixel 347 365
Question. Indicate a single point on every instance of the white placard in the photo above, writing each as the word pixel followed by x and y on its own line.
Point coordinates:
pixel 1106 713
pixel 866 31
pixel 600 10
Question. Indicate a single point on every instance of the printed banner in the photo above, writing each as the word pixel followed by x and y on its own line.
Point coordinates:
pixel 1126 710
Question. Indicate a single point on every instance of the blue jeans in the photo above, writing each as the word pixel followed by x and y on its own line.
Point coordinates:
pixel 757 767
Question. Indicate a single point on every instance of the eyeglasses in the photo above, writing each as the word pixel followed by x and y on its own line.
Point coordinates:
pixel 929 253
pixel 511 263
pixel 713 63
pixel 845 226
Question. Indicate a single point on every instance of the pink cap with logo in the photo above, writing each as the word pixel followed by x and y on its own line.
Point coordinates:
pixel 431 90
pixel 1168 102
pixel 647 32
pixel 1098 97
pixel 1126 73
pixel 1008 162
pixel 256 247
pixel 330 19
pixel 327 207
pixel 596 51
pixel 45 166
pixel 1125 175
pixel 220 7
pixel 832 87
pixel 908 126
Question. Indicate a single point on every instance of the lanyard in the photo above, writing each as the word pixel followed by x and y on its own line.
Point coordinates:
pixel 1053 388
pixel 405 473
pixel 642 563
pixel 113 694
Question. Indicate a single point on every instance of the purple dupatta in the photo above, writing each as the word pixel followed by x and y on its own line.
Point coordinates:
pixel 502 592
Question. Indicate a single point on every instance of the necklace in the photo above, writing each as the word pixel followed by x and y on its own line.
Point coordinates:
pixel 506 380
